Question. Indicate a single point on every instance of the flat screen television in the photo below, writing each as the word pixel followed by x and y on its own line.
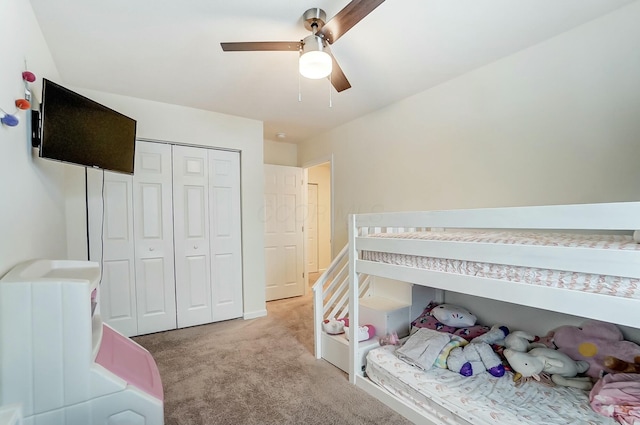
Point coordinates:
pixel 77 130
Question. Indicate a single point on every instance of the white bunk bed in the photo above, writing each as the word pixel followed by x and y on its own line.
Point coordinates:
pixel 383 233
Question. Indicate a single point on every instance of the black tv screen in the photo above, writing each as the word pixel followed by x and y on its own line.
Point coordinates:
pixel 80 131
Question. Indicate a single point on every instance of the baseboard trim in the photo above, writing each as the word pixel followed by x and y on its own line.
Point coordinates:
pixel 254 314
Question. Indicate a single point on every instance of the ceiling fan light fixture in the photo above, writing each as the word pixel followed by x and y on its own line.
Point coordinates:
pixel 315 62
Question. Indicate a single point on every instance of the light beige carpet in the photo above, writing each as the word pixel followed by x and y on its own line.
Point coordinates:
pixel 258 372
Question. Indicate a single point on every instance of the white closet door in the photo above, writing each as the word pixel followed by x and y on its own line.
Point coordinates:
pixel 226 239
pixel 284 218
pixel 112 244
pixel 153 224
pixel 191 232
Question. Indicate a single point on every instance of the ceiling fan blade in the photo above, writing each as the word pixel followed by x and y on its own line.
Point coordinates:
pixel 350 15
pixel 248 46
pixel 338 79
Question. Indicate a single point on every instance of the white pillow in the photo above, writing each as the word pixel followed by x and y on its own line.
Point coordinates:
pixel 453 315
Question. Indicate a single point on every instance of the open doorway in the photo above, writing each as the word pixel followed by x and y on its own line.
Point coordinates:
pixel 319 223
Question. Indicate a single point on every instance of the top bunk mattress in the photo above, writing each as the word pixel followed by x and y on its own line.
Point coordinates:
pixel 619 286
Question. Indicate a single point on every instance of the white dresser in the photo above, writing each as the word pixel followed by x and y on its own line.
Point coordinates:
pixel 60 362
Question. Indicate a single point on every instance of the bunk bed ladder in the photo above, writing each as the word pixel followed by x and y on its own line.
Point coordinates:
pixel 331 300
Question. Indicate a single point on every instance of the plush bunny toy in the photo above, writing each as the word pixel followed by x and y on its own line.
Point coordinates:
pixel 562 368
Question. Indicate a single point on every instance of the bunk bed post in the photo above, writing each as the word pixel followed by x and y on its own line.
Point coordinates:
pixel 317 319
pixel 353 300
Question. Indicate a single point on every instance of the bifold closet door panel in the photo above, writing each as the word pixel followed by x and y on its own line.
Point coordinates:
pixel 191 233
pixel 153 229
pixel 111 237
pixel 172 239
pixel 226 238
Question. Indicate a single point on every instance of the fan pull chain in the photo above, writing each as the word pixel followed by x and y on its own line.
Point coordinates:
pixel 330 100
pixel 299 89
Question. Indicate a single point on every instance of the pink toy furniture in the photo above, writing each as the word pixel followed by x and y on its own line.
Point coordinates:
pixel 60 362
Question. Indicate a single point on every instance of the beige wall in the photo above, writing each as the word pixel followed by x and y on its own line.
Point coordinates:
pixel 280 153
pixel 321 175
pixel 556 123
pixel 43 209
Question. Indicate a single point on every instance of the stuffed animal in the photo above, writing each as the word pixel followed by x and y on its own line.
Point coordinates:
pixel 592 342
pixel 333 326
pixel 390 339
pixel 618 365
pixel 454 315
pixel 519 341
pixel 365 332
pixel 449 318
pixel 341 325
pixel 546 341
pixel 562 368
pixel 523 341
pixel 478 356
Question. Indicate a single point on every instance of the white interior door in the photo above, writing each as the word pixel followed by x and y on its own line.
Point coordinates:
pixel 312 228
pixel 191 231
pixel 226 237
pixel 284 216
pixel 153 224
pixel 112 245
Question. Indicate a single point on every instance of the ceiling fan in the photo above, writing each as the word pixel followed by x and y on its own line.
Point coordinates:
pixel 316 61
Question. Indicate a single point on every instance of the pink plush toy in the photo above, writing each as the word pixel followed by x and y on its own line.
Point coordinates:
pixel 592 342
pixel 365 332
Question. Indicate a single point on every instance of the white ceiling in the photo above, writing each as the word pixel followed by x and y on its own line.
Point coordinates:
pixel 169 51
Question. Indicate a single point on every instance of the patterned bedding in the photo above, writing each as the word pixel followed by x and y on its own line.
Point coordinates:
pixel 480 399
pixel 608 285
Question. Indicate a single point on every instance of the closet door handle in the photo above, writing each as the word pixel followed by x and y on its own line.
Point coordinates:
pixel 150 249
pixel 195 247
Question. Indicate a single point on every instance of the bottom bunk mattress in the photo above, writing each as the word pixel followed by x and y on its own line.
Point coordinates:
pixel 480 399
